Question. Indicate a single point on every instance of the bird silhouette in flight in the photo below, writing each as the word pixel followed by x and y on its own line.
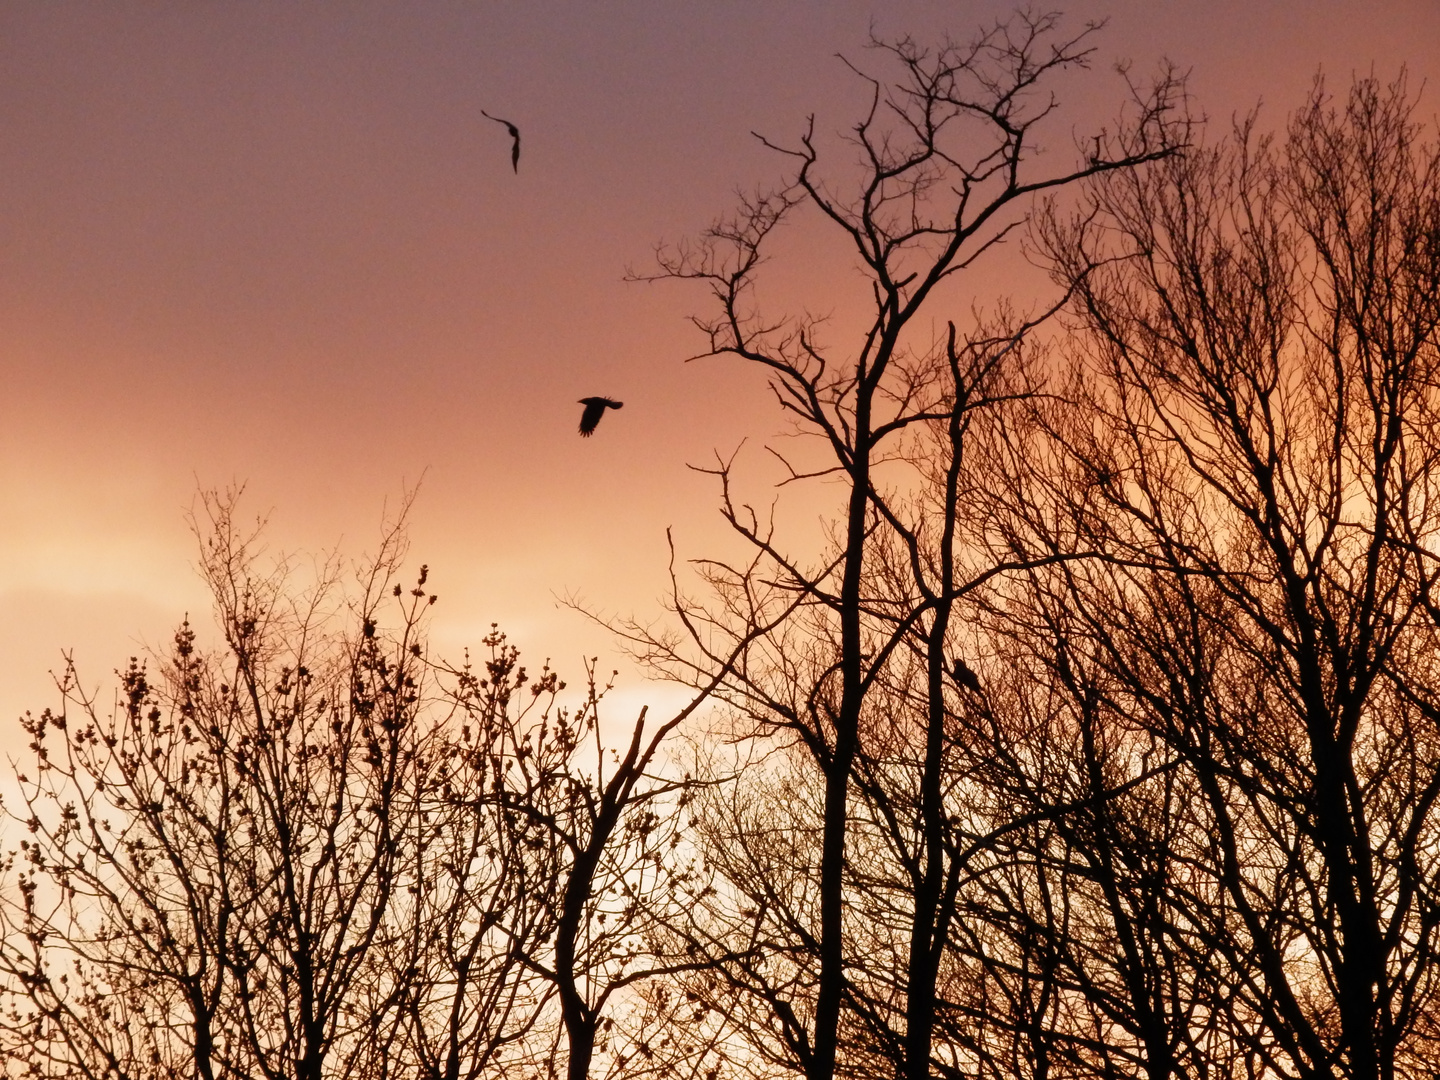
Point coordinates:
pixel 594 409
pixel 965 676
pixel 514 134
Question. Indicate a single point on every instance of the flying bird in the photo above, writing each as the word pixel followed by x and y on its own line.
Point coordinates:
pixel 514 134
pixel 594 409
pixel 964 676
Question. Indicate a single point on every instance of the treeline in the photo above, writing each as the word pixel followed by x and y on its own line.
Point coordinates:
pixel 1102 739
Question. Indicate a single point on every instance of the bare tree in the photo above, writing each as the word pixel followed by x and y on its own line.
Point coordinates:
pixel 206 876
pixel 482 906
pixel 594 832
pixel 943 175
pixel 317 853
pixel 1253 444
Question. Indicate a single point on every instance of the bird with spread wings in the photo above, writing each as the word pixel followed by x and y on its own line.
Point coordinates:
pixel 594 409
pixel 514 134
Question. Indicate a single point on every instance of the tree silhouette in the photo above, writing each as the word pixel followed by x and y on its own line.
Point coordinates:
pixel 944 174
pixel 1252 441
pixel 212 875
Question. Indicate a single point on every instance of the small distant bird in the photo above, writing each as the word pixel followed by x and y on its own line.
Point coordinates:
pixel 514 134
pixel 594 409
pixel 964 676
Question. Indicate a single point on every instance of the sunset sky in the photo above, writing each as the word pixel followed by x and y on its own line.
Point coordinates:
pixel 278 244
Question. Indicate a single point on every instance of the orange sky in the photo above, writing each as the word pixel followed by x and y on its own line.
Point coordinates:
pixel 278 243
